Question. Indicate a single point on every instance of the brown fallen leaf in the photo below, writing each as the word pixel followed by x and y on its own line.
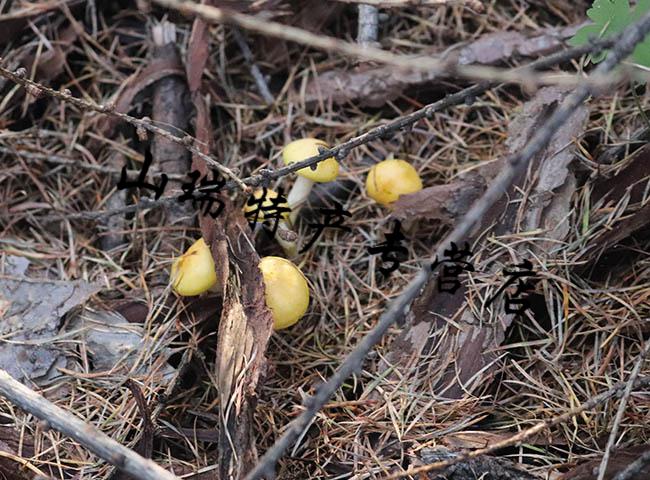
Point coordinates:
pixel 462 356
pixel 154 71
pixel 446 202
pixel 373 86
pixel 618 461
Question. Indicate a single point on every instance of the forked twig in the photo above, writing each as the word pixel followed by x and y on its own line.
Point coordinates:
pixel 87 435
pixel 398 307
pixel 340 151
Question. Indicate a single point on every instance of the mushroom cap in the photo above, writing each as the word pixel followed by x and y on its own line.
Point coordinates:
pixel 389 179
pixel 299 150
pixel 267 203
pixel 285 290
pixel 193 272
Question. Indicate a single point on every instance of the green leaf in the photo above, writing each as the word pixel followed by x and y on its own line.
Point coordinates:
pixel 616 12
pixel 642 7
pixel 611 17
pixel 641 54
pixel 583 35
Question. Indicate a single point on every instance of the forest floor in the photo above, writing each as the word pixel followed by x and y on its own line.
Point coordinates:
pixel 201 385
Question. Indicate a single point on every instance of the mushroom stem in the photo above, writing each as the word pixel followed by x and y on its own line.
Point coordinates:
pixel 287 239
pixel 298 196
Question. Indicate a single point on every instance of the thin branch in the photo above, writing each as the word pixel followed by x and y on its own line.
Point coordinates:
pixel 330 44
pixel 406 122
pixel 399 307
pixel 635 468
pixel 36 89
pixel 340 151
pixel 87 435
pixel 621 410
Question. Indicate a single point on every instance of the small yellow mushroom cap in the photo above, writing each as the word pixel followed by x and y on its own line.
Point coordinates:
pixel 389 179
pixel 193 272
pixel 267 203
pixel 285 289
pixel 299 150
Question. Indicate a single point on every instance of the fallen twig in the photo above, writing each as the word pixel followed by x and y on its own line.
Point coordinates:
pixel 87 435
pixel 255 70
pixel 516 163
pixel 342 150
pixel 613 435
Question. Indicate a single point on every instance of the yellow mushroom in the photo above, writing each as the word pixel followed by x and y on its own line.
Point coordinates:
pixel 193 272
pixel 389 179
pixel 284 235
pixel 285 290
pixel 326 171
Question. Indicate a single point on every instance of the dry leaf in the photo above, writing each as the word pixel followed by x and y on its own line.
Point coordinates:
pixel 32 312
pixel 446 202
pixel 618 461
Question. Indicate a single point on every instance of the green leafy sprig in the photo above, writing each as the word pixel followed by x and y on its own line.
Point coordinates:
pixel 611 17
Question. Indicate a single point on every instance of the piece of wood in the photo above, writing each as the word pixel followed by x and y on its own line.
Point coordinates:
pixel 86 434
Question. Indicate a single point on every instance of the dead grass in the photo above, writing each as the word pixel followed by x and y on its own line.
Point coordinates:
pixel 596 327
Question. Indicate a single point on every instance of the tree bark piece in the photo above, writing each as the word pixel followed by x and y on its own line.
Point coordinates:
pixel 373 86
pixel 171 112
pixel 246 323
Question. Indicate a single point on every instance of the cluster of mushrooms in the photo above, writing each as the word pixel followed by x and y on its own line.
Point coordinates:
pixel 286 288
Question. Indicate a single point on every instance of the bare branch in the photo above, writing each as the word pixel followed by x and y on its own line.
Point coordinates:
pixel 341 151
pixel 621 410
pixel 430 64
pixel 87 435
pixel 255 70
